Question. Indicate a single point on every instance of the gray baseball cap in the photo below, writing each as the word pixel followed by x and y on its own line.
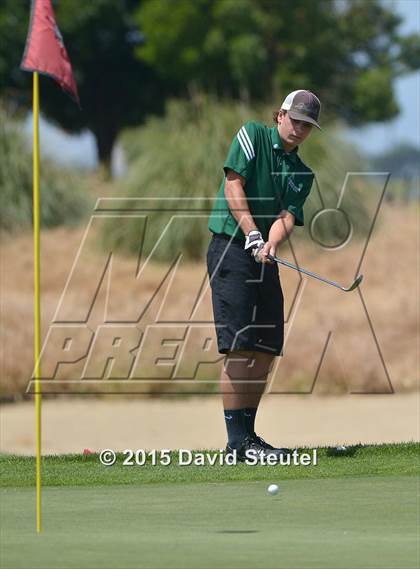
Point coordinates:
pixel 303 105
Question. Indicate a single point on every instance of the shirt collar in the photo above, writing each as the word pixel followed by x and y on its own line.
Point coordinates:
pixel 278 145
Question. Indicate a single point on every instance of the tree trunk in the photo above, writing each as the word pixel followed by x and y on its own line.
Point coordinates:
pixel 105 138
pixel 244 94
pixel 194 94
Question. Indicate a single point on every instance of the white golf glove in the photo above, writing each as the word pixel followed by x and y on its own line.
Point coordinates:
pixel 254 241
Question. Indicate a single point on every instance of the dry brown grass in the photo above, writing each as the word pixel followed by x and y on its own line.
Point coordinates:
pixel 352 362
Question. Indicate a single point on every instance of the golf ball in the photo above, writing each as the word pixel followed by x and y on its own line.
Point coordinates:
pixel 273 489
pixel 341 448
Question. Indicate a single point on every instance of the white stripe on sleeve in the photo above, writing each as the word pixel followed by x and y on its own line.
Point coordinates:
pixel 246 135
pixel 244 147
pixel 246 144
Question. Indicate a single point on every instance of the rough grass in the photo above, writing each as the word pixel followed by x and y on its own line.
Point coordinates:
pixel 64 198
pixel 86 470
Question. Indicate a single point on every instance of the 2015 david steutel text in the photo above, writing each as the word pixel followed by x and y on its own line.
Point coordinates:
pixel 186 457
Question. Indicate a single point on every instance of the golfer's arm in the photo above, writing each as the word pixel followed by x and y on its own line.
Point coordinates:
pixel 237 201
pixel 281 228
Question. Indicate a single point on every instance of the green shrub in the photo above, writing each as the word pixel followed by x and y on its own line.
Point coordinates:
pixel 63 197
pixel 181 155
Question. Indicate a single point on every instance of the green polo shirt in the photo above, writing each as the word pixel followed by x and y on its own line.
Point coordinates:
pixel 274 180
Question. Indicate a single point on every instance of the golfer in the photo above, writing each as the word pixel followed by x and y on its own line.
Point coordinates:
pixel 258 204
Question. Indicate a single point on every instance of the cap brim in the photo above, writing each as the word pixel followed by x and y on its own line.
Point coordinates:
pixel 301 117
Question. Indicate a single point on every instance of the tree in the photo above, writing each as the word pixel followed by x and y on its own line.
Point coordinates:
pixel 116 88
pixel 348 52
pixel 14 18
pixel 128 55
pixel 401 161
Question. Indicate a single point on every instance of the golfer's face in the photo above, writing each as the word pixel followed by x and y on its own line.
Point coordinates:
pixel 292 131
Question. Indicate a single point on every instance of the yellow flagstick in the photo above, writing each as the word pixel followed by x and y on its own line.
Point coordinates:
pixel 37 299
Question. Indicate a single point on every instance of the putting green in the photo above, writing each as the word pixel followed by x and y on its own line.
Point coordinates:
pixel 348 523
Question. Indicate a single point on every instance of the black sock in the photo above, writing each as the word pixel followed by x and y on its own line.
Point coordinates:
pixel 249 416
pixel 236 427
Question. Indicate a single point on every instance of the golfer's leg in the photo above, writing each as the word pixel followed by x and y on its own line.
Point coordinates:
pixel 243 378
pixel 233 387
pixel 257 377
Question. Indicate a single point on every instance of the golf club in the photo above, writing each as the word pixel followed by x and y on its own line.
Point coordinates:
pixel 353 286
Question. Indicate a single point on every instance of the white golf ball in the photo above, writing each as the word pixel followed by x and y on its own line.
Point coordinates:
pixel 341 448
pixel 273 489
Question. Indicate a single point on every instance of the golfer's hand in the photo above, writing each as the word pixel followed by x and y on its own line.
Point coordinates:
pixel 261 254
pixel 253 240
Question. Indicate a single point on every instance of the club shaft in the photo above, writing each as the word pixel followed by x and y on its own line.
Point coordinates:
pixel 305 272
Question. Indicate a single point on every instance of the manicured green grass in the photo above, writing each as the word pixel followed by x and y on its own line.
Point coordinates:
pixel 350 523
pixel 348 512
pixel 80 470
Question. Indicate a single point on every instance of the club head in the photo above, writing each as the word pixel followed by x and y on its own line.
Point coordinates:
pixel 355 284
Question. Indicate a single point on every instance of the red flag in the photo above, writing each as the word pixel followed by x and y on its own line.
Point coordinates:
pixel 45 51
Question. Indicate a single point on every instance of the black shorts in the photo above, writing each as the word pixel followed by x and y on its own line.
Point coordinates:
pixel 247 298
